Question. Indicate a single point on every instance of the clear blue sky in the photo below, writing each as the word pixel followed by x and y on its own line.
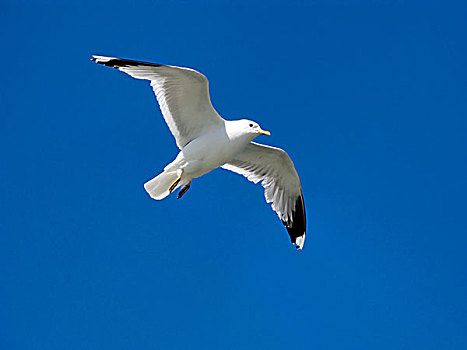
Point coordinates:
pixel 368 98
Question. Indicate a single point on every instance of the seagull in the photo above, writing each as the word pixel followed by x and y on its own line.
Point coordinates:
pixel 207 141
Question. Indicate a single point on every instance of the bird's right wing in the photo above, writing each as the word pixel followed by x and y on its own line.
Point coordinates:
pixel 182 93
pixel 274 168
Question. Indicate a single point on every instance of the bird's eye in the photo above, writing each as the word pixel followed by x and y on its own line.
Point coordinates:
pixel 251 125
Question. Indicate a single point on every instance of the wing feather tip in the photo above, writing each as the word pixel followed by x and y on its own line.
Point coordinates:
pixel 115 62
pixel 296 225
pixel 299 242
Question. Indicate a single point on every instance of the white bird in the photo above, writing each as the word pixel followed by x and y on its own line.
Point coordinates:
pixel 207 141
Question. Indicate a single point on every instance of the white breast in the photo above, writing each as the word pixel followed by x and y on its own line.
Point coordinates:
pixel 211 151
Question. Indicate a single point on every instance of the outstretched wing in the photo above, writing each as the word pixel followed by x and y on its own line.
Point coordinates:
pixel 182 93
pixel 274 168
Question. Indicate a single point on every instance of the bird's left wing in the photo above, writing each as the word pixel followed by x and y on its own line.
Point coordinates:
pixel 182 93
pixel 274 168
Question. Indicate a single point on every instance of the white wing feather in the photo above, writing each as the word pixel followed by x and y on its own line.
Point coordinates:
pixel 275 170
pixel 182 93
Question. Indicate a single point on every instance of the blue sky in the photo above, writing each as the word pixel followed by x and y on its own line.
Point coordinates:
pixel 368 98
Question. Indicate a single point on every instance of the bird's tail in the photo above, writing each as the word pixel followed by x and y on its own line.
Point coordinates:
pixel 158 187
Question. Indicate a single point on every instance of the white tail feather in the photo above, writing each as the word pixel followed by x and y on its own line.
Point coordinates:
pixel 158 187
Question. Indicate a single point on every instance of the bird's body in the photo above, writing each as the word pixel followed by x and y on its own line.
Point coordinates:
pixel 207 141
pixel 197 158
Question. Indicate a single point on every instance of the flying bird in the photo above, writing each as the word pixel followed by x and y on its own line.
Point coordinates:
pixel 207 141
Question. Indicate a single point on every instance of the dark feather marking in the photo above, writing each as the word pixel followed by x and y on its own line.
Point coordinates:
pixel 296 226
pixel 120 62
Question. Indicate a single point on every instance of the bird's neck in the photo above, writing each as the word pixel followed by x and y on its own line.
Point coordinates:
pixel 236 134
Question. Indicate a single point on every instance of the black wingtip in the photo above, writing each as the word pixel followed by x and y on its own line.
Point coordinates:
pixel 120 62
pixel 296 225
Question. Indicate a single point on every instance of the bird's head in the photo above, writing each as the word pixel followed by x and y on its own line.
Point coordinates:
pixel 252 128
